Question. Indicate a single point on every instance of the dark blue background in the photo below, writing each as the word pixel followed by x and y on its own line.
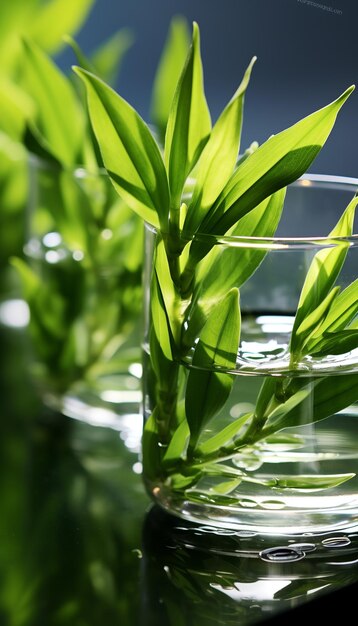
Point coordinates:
pixel 307 55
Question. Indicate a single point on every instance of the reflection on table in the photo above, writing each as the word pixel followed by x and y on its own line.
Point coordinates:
pixel 81 544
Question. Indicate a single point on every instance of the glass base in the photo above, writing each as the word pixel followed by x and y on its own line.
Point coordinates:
pixel 264 521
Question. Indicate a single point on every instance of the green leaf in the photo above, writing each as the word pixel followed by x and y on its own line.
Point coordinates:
pixel 177 446
pixel 279 161
pixel 167 289
pixel 315 317
pixel 219 271
pixel 307 482
pixel 151 449
pixel 226 486
pixel 218 158
pixel 170 66
pixel 55 19
pixel 189 123
pixel 160 319
pixel 58 117
pixel 321 275
pixel 223 437
pixel 29 279
pixel 108 58
pixel 337 342
pixel 207 389
pixel 342 312
pixel 129 152
pixel 316 401
pixel 16 107
pixel 36 144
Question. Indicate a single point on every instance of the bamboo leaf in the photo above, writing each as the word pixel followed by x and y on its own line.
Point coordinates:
pixel 107 59
pixel 213 170
pixel 56 18
pixel 189 123
pixel 342 312
pixel 178 443
pixel 160 319
pixel 276 163
pixel 226 486
pixel 314 318
pixel 308 482
pixel 150 448
pixel 130 154
pixel 219 271
pixel 170 66
pixel 322 274
pixel 223 437
pixel 207 390
pixel 316 401
pixel 58 117
pixel 337 342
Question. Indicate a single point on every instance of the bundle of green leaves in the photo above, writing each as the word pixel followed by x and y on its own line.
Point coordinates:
pixel 44 23
pixel 194 295
pixel 83 308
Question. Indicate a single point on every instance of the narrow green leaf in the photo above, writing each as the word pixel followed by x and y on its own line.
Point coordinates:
pixel 276 163
pixel 151 449
pixel 29 279
pixel 55 19
pixel 207 390
pixel 160 319
pixel 170 66
pixel 105 62
pixel 107 59
pixel 189 123
pixel 226 486
pixel 130 154
pixel 167 288
pixel 318 400
pixel 343 310
pixel 177 446
pixel 322 273
pixel 223 437
pixel 16 107
pixel 315 317
pixel 337 342
pixel 308 482
pixel 213 169
pixel 219 271
pixel 58 116
pixel 294 403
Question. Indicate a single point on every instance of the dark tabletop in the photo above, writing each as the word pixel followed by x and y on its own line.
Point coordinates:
pixel 82 545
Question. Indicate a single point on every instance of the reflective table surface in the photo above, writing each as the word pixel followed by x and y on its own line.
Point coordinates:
pixel 82 545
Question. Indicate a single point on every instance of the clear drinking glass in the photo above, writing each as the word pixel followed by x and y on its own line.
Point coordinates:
pixel 250 414
pixel 81 275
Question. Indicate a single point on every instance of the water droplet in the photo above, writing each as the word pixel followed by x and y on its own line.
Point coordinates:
pixel 336 542
pixel 272 504
pixel 216 531
pixel 245 533
pixel 281 554
pixel 248 504
pixel 304 547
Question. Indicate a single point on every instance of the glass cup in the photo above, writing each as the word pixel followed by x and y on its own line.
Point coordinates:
pixel 250 375
pixel 81 278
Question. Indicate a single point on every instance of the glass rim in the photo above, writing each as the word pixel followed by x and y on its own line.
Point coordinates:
pixel 328 181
